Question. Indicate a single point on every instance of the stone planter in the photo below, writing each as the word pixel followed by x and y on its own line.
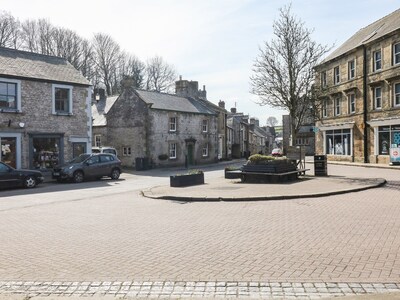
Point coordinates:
pixel 186 180
pixel 232 173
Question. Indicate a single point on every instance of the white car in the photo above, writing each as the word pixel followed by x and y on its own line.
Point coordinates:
pixel 277 152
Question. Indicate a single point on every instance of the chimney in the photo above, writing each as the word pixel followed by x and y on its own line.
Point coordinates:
pixel 221 104
pixel 233 110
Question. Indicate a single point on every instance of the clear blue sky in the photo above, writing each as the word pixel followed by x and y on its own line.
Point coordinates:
pixel 211 41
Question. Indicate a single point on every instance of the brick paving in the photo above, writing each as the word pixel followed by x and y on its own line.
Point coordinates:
pixel 112 241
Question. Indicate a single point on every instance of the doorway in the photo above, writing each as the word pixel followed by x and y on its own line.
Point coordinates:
pixel 190 154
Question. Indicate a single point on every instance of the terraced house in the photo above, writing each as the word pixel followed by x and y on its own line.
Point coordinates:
pixel 360 99
pixel 45 115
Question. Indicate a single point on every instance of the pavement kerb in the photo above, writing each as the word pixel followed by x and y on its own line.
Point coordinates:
pixel 147 193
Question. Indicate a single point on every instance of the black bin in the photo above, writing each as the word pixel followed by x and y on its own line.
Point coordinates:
pixel 142 163
pixel 320 165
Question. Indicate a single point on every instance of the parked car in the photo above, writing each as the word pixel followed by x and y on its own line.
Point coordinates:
pixel 89 166
pixel 104 150
pixel 10 177
pixel 277 152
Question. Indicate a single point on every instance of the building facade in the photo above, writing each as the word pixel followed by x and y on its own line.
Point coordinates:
pixel 360 95
pixel 45 115
pixel 165 129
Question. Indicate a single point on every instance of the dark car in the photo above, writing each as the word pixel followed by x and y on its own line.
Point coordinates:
pixel 89 166
pixel 10 177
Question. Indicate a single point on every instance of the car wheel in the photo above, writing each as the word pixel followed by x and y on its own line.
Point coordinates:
pixel 115 174
pixel 30 182
pixel 78 177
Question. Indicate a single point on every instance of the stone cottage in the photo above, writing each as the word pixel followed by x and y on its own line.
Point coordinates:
pixel 163 129
pixel 45 110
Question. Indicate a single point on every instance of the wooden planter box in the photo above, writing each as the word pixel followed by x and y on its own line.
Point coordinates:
pixel 186 180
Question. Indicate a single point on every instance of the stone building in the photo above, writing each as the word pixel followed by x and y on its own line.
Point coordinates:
pixel 360 95
pixel 45 115
pixel 165 129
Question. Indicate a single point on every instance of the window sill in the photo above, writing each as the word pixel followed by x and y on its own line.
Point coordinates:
pixel 10 110
pixel 62 114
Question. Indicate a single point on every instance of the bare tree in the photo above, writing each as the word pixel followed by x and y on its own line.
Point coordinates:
pixel 107 56
pixel 283 71
pixel 272 121
pixel 9 31
pixel 160 76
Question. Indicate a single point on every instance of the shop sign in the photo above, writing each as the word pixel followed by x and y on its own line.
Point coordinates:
pixel 395 155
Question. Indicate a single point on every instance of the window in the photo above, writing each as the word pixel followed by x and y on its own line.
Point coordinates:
pixel 396 94
pixel 338 142
pixel 62 99
pixel 46 152
pixel 325 108
pixel 97 140
pixel 172 150
pixel 302 141
pixel 336 75
pixel 172 124
pixel 337 106
pixel 352 103
pixel 205 126
pixel 126 151
pixel 396 54
pixel 323 79
pixel 377 60
pixel 388 136
pixel 10 95
pixel 204 151
pixel 352 69
pixel 378 97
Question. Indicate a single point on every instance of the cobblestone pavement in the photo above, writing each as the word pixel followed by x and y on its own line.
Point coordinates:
pixel 107 239
pixel 209 289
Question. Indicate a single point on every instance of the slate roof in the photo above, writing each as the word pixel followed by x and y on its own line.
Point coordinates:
pixel 100 109
pixel 170 102
pixel 368 34
pixel 22 64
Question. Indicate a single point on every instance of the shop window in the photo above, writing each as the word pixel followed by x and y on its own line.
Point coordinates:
pixel 338 142
pixel 388 136
pixel 45 152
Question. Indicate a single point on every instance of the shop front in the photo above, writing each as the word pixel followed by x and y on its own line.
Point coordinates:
pixel 11 149
pixel 46 151
pixel 387 138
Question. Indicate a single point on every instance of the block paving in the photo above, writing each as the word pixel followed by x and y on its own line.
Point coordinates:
pixel 111 241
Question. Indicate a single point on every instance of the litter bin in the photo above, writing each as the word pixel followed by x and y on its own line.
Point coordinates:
pixel 139 164
pixel 320 165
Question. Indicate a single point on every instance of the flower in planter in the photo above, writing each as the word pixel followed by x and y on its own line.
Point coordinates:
pixel 258 159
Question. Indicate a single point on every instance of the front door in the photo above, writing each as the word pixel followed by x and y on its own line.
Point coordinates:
pixel 190 154
pixel 9 151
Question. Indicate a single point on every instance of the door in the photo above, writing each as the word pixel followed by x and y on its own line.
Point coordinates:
pixel 78 149
pixel 190 154
pixel 8 151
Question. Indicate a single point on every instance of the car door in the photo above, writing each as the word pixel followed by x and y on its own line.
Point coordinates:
pixel 92 166
pixel 105 162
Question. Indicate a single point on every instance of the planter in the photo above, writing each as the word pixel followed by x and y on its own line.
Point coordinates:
pixel 274 166
pixel 186 180
pixel 232 173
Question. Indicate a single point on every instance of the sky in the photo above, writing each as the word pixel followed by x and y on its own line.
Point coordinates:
pixel 214 42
